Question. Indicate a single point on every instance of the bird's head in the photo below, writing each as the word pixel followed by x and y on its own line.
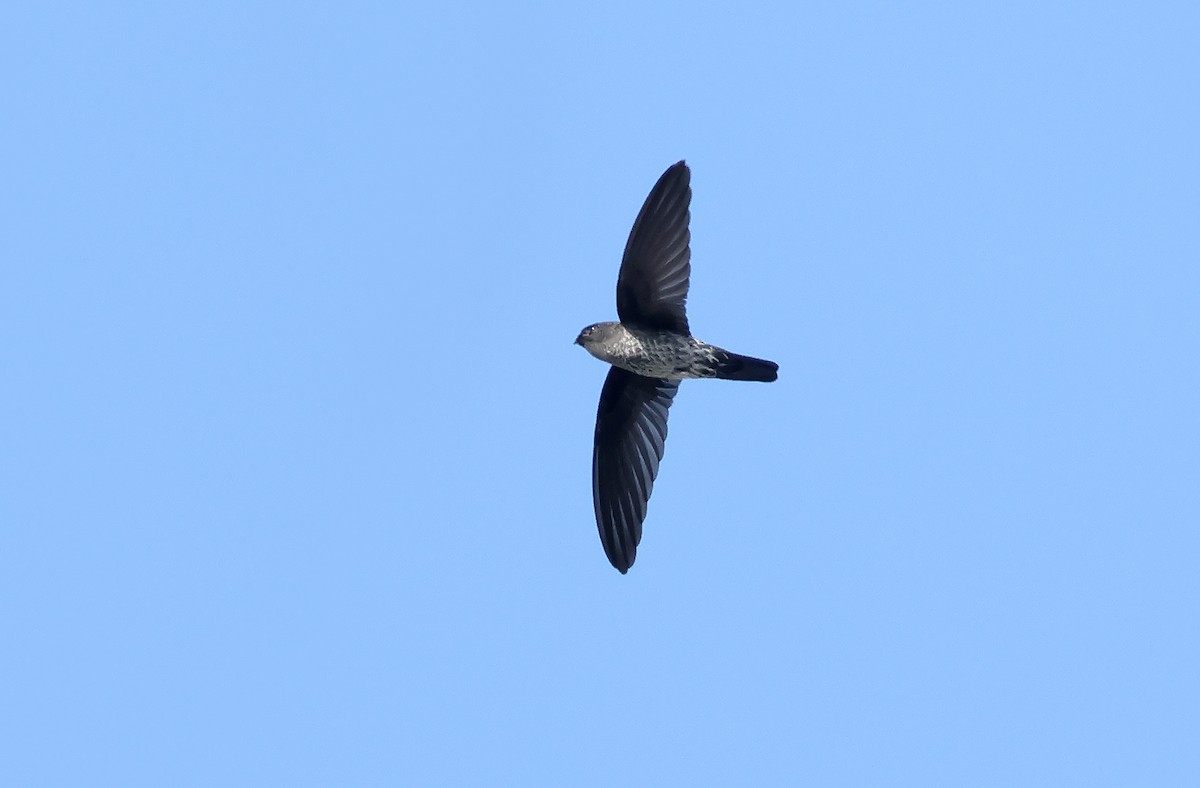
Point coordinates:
pixel 585 335
pixel 594 335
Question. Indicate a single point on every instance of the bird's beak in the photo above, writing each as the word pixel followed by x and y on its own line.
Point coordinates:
pixel 577 342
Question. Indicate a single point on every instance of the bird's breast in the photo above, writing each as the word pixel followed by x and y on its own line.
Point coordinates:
pixel 660 354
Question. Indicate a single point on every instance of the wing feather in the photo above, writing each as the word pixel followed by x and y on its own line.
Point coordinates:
pixel 653 284
pixel 631 434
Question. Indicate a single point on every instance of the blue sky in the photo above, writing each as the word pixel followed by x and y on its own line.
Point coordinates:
pixel 296 454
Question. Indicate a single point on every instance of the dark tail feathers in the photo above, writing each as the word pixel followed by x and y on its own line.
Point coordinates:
pixel 731 366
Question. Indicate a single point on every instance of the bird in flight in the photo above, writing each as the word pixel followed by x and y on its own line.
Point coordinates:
pixel 651 350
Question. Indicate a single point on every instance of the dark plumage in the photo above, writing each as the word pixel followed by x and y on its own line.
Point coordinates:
pixel 651 350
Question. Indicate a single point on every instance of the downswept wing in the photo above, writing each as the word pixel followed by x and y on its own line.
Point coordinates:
pixel 653 284
pixel 631 433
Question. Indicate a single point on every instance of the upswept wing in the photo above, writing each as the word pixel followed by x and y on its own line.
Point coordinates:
pixel 653 284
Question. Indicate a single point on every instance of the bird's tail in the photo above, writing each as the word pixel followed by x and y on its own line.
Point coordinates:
pixel 731 366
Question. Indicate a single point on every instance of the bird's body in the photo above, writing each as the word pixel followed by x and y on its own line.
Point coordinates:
pixel 669 355
pixel 651 350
